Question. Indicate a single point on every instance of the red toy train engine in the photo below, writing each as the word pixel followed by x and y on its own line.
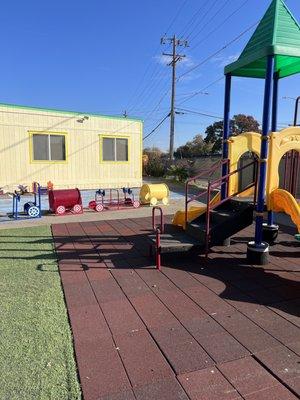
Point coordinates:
pixel 65 200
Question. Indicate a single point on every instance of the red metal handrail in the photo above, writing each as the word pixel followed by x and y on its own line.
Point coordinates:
pixel 214 185
pixel 213 168
pixel 162 224
pixel 158 250
pixel 210 171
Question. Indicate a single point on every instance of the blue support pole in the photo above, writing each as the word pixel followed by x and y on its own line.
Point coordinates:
pixel 226 132
pixel 264 152
pixel 275 103
pixel 274 127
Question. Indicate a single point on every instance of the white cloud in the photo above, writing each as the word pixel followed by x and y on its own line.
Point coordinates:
pixel 163 60
pixel 222 61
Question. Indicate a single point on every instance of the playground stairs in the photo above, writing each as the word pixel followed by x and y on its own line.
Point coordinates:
pixel 225 220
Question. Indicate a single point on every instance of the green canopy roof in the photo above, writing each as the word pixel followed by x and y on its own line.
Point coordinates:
pixel 278 34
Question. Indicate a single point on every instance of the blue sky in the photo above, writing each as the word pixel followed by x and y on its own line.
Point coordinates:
pixel 105 57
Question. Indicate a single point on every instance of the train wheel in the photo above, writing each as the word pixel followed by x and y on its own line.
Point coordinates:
pixel 77 209
pixel 136 204
pixel 33 212
pixel 60 210
pixel 99 207
pixel 153 201
pixel 165 201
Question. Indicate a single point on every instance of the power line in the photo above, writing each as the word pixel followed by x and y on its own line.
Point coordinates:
pixel 211 19
pixel 195 16
pixel 149 86
pixel 129 106
pixel 175 17
pixel 156 86
pixel 157 126
pixel 221 24
pixel 193 19
pixel 198 113
pixel 202 90
pixel 217 52
pixel 159 103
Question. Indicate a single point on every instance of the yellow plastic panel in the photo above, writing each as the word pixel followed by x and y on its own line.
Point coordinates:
pixel 239 145
pixel 280 143
pixel 283 201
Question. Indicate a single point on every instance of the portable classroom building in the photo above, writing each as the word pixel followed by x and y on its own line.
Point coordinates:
pixel 70 149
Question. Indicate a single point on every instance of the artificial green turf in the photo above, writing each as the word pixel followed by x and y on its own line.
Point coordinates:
pixel 36 351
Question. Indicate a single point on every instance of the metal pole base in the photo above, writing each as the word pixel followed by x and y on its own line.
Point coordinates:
pixel 258 255
pixel 226 242
pixel 270 233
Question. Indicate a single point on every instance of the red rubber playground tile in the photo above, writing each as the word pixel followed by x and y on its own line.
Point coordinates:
pixel 222 347
pixel 181 349
pixel 202 329
pixel 121 317
pixel 166 389
pixel 126 395
pixel 88 323
pixel 282 361
pixel 142 358
pixel 208 384
pixel 247 376
pixel 274 393
pixel 153 312
pixel 101 370
pixel 78 294
pixel 246 332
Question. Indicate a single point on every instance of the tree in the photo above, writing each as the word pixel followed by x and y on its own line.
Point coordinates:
pixel 154 162
pixel 152 151
pixel 195 148
pixel 240 123
pixel 214 135
pixel 244 123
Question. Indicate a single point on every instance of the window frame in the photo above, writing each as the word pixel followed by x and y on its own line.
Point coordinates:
pixel 115 137
pixel 31 147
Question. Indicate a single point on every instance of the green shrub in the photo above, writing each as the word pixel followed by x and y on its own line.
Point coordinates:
pixel 155 167
pixel 182 170
pixel 179 173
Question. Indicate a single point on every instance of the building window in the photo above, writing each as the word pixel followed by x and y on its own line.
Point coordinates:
pixel 114 149
pixel 48 147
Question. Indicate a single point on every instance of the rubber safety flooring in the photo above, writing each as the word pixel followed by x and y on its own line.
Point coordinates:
pixel 202 329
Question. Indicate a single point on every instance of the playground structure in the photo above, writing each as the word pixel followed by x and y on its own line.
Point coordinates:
pixel 31 209
pixel 269 55
pixel 62 201
pixel 102 203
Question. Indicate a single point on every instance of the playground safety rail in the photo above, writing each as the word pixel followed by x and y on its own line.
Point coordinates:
pixel 205 173
pixel 162 224
pixel 158 231
pixel 216 185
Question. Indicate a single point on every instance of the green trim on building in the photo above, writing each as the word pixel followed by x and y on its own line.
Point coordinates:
pixel 54 110
pixel 277 34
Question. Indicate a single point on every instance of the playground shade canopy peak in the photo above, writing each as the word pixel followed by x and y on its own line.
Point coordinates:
pixel 278 35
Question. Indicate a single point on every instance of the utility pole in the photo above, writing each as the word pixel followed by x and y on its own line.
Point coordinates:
pixel 175 58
